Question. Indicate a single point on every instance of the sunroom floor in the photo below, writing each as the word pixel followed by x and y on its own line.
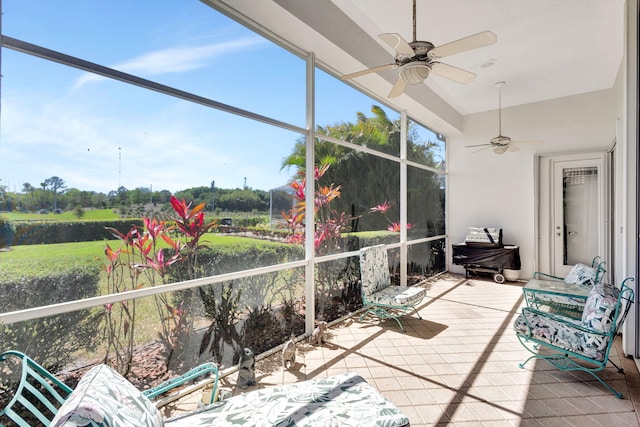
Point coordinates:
pixel 458 366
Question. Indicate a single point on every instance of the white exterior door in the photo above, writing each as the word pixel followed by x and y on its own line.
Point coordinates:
pixel 572 221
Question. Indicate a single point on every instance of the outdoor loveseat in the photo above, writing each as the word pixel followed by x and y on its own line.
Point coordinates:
pixel 104 398
pixel 578 344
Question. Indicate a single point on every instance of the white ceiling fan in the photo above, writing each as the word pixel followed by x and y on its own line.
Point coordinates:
pixel 501 143
pixel 418 58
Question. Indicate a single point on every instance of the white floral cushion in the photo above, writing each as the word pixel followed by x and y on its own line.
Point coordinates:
pixel 398 295
pixel 561 332
pixel 376 281
pixel 590 336
pixel 600 308
pixel 345 400
pixel 374 269
pixel 104 398
pixel 581 274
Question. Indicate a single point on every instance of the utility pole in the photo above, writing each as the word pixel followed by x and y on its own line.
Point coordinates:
pixel 119 167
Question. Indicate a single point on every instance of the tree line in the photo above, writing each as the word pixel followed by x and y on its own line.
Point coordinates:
pixel 365 181
pixel 53 196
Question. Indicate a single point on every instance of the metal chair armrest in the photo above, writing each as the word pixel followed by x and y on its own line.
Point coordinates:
pixel 205 368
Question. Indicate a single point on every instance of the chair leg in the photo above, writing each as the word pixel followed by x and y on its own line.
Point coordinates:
pixel 521 365
pixel 398 321
pixel 620 370
pixel 563 362
pixel 382 314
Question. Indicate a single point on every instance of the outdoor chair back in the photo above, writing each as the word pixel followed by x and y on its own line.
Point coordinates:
pixel 580 273
pixel 38 392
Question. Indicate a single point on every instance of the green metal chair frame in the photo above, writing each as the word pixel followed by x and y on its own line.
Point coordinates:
pixel 37 385
pixel 567 360
pixel 41 393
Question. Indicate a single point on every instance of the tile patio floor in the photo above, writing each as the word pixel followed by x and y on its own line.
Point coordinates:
pixel 458 366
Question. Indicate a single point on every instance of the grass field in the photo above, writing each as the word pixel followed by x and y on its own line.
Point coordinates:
pixel 61 252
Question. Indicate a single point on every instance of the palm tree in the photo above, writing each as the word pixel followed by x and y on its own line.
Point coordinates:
pixel 56 184
pixel 367 180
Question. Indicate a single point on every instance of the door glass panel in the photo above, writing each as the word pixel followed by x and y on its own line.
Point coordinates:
pixel 580 199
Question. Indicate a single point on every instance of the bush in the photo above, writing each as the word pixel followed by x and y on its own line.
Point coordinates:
pixel 7 232
pixel 47 232
pixel 51 340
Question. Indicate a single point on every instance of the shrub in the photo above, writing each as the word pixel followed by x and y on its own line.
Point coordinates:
pixel 47 232
pixel 51 340
pixel 7 232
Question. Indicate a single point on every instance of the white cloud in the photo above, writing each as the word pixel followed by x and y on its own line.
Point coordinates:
pixel 176 59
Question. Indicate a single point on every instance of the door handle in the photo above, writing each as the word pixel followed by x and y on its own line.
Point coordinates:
pixel 573 233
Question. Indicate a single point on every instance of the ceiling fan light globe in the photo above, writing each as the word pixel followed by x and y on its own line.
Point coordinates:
pixel 500 149
pixel 414 72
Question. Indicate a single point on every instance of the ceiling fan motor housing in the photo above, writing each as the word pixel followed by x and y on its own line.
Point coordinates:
pixel 501 140
pixel 421 49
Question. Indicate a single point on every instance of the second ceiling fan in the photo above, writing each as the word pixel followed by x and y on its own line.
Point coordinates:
pixel 418 58
pixel 501 144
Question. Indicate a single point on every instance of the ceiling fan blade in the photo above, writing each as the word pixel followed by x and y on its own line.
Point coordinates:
pixel 477 145
pixel 513 147
pixel 398 44
pixel 527 142
pixel 475 41
pixel 368 71
pixel 450 72
pixel 486 146
pixel 397 88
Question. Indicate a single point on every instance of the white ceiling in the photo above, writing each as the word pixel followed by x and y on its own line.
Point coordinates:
pixel 546 48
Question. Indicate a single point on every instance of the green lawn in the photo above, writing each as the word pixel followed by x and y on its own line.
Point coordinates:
pixel 59 251
pixel 39 257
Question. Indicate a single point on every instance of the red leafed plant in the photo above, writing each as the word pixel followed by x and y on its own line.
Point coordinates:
pixel 383 208
pixel 329 225
pixel 142 260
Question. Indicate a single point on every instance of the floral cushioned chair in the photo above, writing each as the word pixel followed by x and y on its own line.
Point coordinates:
pixel 379 297
pixel 568 341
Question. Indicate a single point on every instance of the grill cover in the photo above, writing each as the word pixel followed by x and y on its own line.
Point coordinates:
pixel 504 257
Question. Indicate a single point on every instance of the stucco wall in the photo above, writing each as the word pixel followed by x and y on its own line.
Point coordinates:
pixel 490 190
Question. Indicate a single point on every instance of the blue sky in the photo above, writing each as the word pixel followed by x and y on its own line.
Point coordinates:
pixel 97 134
